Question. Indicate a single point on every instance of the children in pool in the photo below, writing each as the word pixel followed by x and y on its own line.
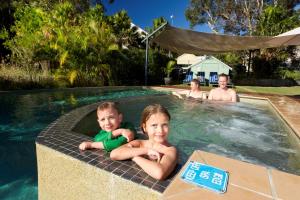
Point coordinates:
pixel 156 156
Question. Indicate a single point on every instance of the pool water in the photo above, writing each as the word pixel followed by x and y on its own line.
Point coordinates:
pixel 22 116
pixel 243 131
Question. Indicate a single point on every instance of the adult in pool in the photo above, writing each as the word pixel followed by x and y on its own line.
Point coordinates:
pixel 194 92
pixel 223 93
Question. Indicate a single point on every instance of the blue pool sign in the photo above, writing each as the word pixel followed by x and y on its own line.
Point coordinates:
pixel 206 176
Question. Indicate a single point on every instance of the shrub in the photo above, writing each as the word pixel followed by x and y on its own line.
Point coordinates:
pixel 289 74
pixel 12 77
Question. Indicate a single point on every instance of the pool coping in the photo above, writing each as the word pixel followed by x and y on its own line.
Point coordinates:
pixel 246 181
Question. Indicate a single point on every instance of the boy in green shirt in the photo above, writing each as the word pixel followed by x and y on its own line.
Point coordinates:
pixel 114 132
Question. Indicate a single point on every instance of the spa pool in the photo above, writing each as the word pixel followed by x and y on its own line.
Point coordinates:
pixel 248 131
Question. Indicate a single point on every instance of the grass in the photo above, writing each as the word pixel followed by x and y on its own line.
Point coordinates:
pixel 294 90
pixel 17 78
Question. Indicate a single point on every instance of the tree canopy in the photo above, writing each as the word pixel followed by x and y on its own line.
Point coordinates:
pixel 238 17
pixel 241 17
pixel 77 43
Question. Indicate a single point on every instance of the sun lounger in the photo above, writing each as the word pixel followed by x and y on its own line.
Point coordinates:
pixel 201 78
pixel 188 77
pixel 213 79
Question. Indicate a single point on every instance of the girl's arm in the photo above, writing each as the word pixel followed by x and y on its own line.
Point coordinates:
pixel 159 170
pixel 128 151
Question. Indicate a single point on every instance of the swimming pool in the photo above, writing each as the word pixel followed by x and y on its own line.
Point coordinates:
pixel 23 115
pixel 251 132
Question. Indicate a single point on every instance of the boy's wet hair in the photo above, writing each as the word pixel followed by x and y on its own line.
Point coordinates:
pixel 108 105
pixel 151 110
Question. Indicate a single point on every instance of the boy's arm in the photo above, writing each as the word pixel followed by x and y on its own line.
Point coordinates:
pixel 113 143
pixel 97 145
pixel 127 133
pixel 91 145
pixel 127 130
pixel 124 125
pixel 116 132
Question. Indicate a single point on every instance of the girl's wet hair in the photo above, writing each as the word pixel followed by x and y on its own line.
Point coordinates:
pixel 108 105
pixel 151 110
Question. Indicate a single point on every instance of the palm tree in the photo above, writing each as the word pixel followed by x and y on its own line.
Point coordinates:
pixel 121 25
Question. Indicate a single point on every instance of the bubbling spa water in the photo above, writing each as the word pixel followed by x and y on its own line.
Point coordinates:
pixel 251 132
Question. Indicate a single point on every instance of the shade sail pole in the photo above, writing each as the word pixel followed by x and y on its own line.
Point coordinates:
pixel 146 62
pixel 249 63
pixel 147 48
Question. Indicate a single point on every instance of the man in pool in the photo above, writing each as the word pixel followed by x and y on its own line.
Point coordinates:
pixel 114 132
pixel 223 93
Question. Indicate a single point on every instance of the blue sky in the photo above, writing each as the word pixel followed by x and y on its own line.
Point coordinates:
pixel 142 12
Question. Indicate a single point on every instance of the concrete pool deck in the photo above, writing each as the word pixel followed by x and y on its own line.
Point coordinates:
pixel 246 182
pixel 64 172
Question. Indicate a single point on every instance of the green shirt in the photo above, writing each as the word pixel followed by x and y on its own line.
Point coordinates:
pixel 111 143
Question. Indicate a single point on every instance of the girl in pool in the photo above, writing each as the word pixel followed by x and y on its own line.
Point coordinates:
pixel 156 156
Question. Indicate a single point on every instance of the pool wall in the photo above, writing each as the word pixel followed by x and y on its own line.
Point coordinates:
pixel 64 177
